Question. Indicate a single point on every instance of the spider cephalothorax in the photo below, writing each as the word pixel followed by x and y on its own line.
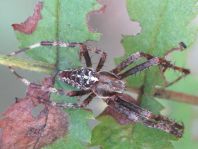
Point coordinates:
pixel 109 85
pixel 103 84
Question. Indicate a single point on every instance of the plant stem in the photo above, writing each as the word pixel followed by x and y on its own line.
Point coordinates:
pixel 171 95
pixel 26 64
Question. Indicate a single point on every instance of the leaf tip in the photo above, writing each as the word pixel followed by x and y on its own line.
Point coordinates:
pixel 30 24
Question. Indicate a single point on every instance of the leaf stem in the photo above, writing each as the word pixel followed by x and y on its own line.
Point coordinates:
pixel 170 95
pixel 26 64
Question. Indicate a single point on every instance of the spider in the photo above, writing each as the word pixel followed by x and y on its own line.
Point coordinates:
pixel 109 85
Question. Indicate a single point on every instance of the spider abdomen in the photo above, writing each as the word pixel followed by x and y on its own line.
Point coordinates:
pixel 82 78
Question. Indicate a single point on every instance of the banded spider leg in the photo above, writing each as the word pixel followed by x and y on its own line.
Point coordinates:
pixel 151 61
pixel 137 114
pixel 83 52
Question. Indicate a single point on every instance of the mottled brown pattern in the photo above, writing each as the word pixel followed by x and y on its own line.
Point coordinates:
pixel 109 85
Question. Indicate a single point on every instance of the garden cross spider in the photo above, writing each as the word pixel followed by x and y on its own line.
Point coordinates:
pixel 109 86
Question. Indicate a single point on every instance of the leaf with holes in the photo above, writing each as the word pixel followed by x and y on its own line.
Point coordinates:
pixel 164 24
pixel 61 20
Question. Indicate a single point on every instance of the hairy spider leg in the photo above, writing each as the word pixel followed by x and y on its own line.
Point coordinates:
pixel 181 47
pixel 87 100
pixel 61 91
pixel 140 115
pixel 83 52
pixel 102 58
pixel 70 94
pixel 51 89
pixel 46 43
pixel 151 60
pixel 162 123
pixel 83 48
pixel 42 92
pixel 22 79
pixel 136 56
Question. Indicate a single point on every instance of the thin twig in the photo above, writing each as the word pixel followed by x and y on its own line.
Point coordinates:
pixel 171 95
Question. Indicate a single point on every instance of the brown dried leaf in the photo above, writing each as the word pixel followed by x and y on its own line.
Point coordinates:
pixel 20 129
pixel 30 24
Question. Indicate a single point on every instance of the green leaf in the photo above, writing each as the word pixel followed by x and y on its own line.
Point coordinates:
pixel 64 20
pixel 181 111
pixel 79 131
pixel 109 134
pixel 164 24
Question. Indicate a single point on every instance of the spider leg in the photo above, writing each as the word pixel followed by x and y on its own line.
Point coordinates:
pixel 181 47
pixel 152 62
pixel 83 48
pixel 167 84
pixel 155 121
pixel 74 105
pixel 83 51
pixel 139 68
pixel 22 79
pixel 125 63
pixel 51 89
pixel 46 44
pixel 78 93
pixel 140 115
pixel 69 93
pixel 63 105
pixel 136 56
pixel 102 58
pixel 48 89
pixel 87 100
pixel 120 99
